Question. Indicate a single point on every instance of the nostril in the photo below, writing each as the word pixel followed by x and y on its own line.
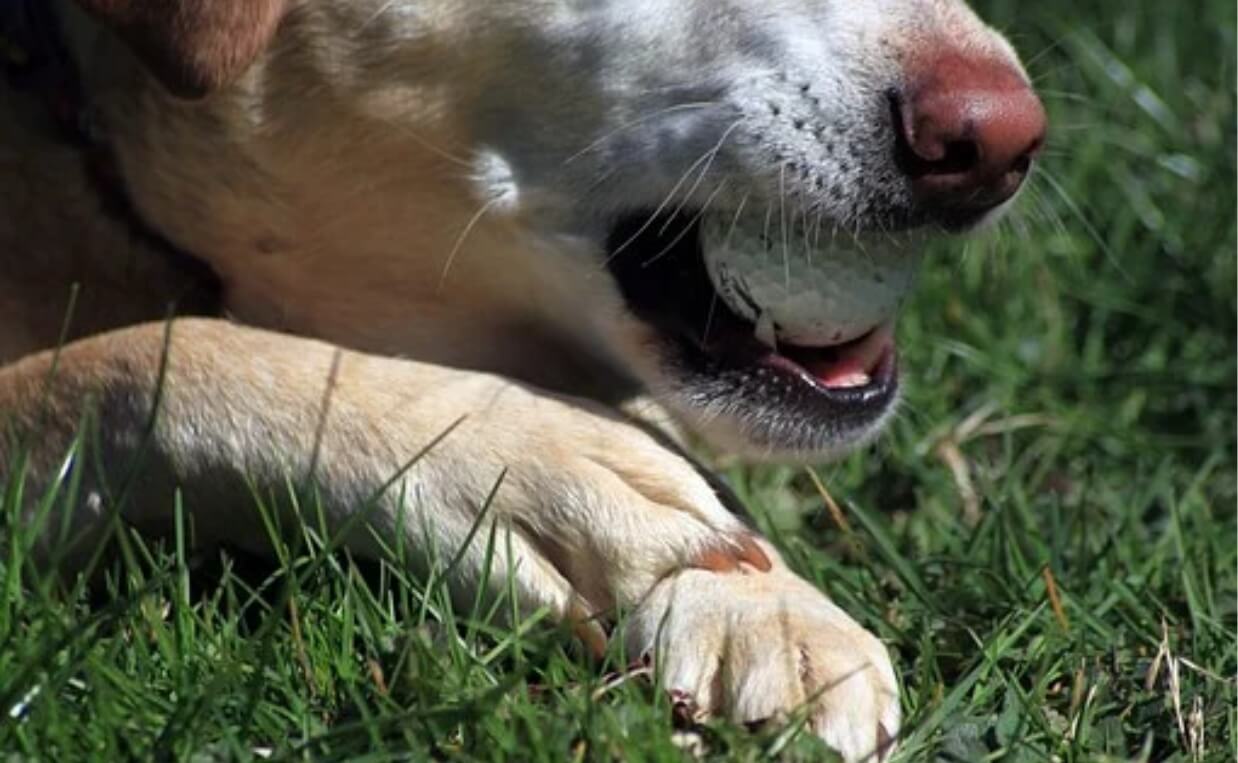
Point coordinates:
pixel 959 156
pixel 966 130
pixel 1022 165
pixel 921 151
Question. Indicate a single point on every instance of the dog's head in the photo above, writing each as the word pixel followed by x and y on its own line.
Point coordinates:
pixel 601 135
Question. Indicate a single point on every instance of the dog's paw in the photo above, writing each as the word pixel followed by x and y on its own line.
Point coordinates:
pixel 607 503
pixel 757 647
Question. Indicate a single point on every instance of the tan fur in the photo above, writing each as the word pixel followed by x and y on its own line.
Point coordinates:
pixel 341 189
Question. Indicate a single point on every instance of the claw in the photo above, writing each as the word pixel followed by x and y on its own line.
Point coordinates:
pixel 753 554
pixel 885 743
pixel 684 711
pixel 587 629
pixel 743 550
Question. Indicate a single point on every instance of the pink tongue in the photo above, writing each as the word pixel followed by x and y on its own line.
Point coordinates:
pixel 847 372
pixel 853 366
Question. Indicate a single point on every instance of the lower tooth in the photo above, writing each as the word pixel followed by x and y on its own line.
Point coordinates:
pixel 764 331
pixel 851 380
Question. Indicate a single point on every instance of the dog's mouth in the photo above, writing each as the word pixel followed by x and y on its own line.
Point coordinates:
pixel 783 398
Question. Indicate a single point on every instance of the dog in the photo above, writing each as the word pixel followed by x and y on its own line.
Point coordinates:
pixel 449 248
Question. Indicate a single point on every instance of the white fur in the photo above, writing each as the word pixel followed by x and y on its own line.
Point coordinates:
pixel 769 646
pixel 434 179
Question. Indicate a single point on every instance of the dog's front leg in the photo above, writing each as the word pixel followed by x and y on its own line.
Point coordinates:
pixel 595 512
pixel 598 511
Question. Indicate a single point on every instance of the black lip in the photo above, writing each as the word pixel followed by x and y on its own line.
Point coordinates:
pixel 713 354
pixel 884 379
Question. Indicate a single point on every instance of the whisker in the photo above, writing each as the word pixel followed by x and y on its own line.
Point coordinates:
pixel 807 230
pixel 657 211
pixel 442 152
pixel 735 220
pixel 1066 95
pixel 765 239
pixel 712 154
pixel 1046 74
pixel 782 226
pixel 1073 127
pixel 1047 211
pixel 602 178
pixel 639 121
pixel 1075 210
pixel 382 10
pixel 709 317
pixel 816 232
pixel 464 234
pixel 688 226
pixel 1032 61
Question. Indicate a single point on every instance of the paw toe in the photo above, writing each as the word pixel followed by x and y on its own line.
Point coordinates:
pixel 753 649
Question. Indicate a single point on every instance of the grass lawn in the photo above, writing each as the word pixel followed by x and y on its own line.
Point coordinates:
pixel 1046 538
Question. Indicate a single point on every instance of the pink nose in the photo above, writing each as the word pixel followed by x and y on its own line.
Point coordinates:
pixel 970 128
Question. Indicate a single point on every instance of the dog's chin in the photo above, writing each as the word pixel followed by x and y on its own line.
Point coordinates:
pixel 785 403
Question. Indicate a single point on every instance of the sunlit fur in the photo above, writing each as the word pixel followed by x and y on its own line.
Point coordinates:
pixel 441 161
pixel 422 190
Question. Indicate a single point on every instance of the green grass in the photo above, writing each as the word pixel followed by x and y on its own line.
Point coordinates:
pixel 1046 538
